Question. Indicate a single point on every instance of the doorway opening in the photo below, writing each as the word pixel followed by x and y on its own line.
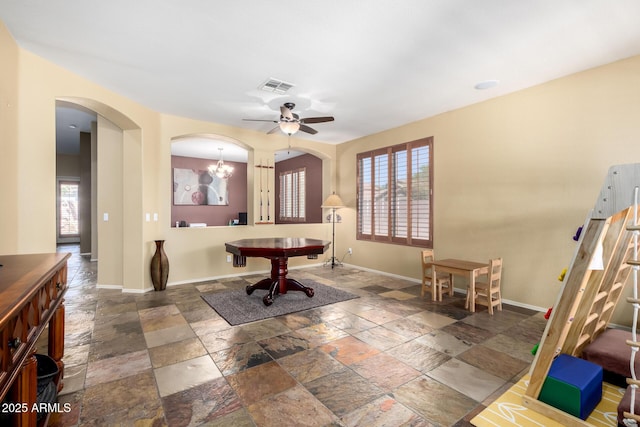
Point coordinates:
pixel 68 224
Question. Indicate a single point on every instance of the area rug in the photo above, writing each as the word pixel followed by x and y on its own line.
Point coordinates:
pixel 508 409
pixel 236 307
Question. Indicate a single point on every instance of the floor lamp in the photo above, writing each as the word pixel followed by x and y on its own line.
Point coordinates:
pixel 333 202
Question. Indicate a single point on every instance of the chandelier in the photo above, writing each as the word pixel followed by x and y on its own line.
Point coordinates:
pixel 221 170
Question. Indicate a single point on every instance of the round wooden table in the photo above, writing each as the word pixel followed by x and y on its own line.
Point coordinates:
pixel 278 250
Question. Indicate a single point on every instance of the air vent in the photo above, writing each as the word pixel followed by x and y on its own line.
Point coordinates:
pixel 275 85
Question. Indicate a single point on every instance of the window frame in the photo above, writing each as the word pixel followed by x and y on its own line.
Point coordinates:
pixel 60 214
pixel 379 156
pixel 300 196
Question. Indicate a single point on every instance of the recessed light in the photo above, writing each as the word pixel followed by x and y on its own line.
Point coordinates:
pixel 72 126
pixel 487 84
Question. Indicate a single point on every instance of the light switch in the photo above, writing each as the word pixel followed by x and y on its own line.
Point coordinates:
pixel 148 216
pixel 155 216
pixel 105 216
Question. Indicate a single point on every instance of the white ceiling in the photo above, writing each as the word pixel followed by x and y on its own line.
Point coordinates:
pixel 209 148
pixel 373 65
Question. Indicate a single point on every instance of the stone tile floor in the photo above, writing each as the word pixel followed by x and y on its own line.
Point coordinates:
pixel 388 358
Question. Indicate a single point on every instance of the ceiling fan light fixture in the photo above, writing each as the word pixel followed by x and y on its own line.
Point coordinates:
pixel 290 123
pixel 289 127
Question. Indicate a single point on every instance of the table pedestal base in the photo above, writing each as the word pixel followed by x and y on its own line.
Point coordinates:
pixel 278 283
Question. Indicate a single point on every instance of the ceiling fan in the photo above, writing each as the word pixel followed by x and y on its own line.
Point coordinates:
pixel 291 123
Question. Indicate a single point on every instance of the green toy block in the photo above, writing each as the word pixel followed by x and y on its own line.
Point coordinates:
pixel 573 385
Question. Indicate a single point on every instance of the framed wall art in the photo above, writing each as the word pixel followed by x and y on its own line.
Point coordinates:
pixel 198 187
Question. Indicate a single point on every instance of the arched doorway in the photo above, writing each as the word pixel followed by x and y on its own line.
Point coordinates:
pixel 116 214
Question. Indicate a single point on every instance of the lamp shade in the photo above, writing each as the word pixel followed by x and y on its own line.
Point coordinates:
pixel 333 201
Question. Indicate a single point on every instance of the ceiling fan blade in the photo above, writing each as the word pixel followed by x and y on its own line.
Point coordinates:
pixel 260 120
pixel 307 129
pixel 274 130
pixel 317 119
pixel 285 112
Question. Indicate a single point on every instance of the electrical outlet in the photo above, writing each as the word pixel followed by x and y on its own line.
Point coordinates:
pixel 350 251
pixel 228 258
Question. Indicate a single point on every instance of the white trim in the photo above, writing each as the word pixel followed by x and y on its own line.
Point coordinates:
pixel 98 286
pixel 384 273
pixel 207 279
pixel 137 291
pixel 300 267
pixel 124 291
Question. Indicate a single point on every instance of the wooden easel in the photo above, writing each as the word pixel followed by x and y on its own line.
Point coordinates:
pixel 588 297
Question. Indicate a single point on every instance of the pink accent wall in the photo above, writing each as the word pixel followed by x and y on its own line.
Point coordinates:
pixel 313 193
pixel 211 215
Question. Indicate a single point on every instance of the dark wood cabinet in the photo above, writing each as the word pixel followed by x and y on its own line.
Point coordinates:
pixel 32 288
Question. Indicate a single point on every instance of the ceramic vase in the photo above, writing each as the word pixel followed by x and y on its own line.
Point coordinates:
pixel 159 267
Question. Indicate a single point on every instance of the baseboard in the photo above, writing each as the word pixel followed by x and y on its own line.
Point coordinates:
pixel 123 290
pixel 300 267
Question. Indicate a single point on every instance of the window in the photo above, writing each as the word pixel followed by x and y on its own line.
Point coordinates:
pixel 68 215
pixel 292 195
pixel 395 194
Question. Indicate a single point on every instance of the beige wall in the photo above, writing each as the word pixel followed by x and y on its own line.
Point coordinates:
pixel 110 203
pixel 9 53
pixel 67 165
pixel 514 176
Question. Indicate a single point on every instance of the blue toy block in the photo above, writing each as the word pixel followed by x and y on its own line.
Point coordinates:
pixel 573 385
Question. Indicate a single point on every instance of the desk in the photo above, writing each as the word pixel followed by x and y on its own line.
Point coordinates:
pixel 469 269
pixel 278 250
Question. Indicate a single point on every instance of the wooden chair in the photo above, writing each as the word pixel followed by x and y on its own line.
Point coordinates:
pixel 442 281
pixel 488 292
